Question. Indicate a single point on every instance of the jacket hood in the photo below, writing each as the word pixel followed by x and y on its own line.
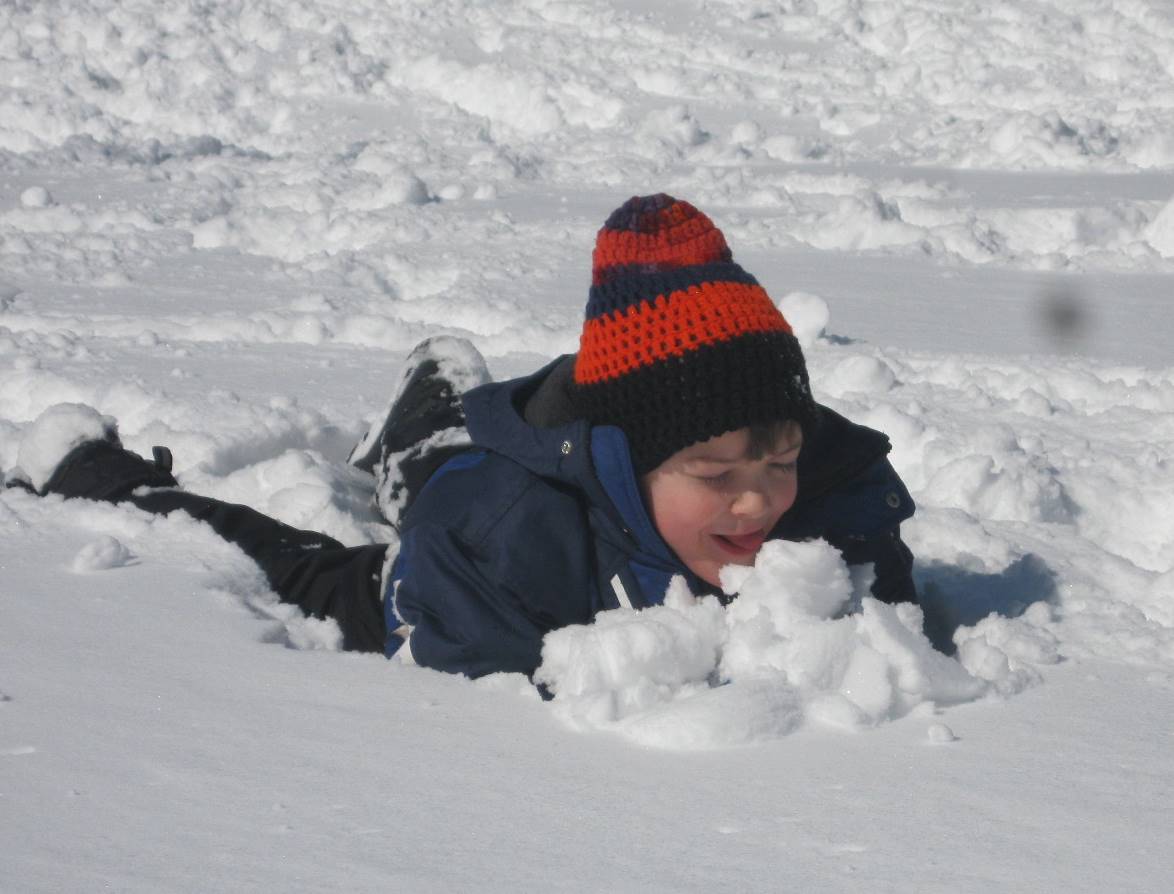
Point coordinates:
pixel 532 421
pixel 553 446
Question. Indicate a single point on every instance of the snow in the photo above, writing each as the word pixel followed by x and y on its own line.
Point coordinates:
pixel 225 225
pixel 692 674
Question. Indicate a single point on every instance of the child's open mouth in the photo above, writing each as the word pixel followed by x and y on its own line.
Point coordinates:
pixel 741 545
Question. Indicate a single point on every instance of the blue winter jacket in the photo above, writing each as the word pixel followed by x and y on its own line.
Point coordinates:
pixel 541 524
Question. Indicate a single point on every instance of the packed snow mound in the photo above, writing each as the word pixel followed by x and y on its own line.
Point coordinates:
pixel 54 433
pixel 800 644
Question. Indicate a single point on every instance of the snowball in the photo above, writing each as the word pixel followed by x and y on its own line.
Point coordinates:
pixel 54 433
pixel 36 197
pixel 808 315
pixel 101 554
pixel 212 233
pixel 794 147
pixel 746 132
pixel 674 126
pixel 940 734
pixel 859 374
pixel 1160 232
pixel 398 187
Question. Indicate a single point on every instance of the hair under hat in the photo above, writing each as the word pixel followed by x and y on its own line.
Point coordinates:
pixel 680 344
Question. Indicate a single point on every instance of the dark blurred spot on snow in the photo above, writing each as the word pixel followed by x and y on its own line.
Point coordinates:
pixel 1064 316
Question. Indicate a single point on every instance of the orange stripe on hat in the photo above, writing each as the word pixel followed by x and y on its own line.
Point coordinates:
pixel 643 334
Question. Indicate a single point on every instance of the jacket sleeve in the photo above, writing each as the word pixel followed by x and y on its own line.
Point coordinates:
pixel 459 618
pixel 862 518
pixel 478 599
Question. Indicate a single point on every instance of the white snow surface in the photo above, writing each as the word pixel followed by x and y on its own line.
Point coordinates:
pixel 225 225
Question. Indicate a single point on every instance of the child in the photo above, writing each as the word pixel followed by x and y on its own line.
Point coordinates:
pixel 680 437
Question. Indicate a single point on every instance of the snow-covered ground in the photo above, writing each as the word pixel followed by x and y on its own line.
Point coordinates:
pixel 225 225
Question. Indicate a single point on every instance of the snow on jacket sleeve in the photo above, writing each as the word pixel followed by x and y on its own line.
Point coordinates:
pixel 480 592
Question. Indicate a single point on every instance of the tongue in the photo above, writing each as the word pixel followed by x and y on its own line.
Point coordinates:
pixel 745 541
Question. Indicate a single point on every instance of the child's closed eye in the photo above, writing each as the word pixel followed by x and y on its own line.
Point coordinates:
pixel 714 478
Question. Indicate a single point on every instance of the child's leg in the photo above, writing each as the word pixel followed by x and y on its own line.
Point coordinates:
pixel 314 572
pixel 310 570
pixel 424 424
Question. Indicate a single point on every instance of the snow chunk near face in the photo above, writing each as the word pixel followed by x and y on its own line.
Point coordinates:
pixel 790 648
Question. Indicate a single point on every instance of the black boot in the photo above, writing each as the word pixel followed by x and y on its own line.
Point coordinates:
pixel 424 425
pixel 105 470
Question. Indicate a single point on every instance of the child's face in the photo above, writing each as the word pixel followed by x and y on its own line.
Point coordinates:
pixel 714 504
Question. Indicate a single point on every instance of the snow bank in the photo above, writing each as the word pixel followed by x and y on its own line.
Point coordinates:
pixel 799 644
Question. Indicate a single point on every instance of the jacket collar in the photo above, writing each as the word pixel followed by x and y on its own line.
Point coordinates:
pixel 613 466
pixel 836 451
pixel 494 415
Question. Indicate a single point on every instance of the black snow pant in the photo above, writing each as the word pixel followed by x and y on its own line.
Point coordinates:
pixel 310 570
pixel 314 572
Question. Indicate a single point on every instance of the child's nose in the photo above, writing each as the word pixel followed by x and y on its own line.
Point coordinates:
pixel 764 498
pixel 752 501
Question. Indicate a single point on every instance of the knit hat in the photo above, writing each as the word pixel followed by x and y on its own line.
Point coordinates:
pixel 681 344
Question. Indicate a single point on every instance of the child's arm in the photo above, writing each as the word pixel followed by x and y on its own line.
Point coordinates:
pixel 461 620
pixel 479 600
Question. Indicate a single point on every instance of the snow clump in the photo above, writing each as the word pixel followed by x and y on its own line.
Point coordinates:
pixel 104 553
pixel 801 643
pixel 808 315
pixel 36 197
pixel 54 433
pixel 1160 232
